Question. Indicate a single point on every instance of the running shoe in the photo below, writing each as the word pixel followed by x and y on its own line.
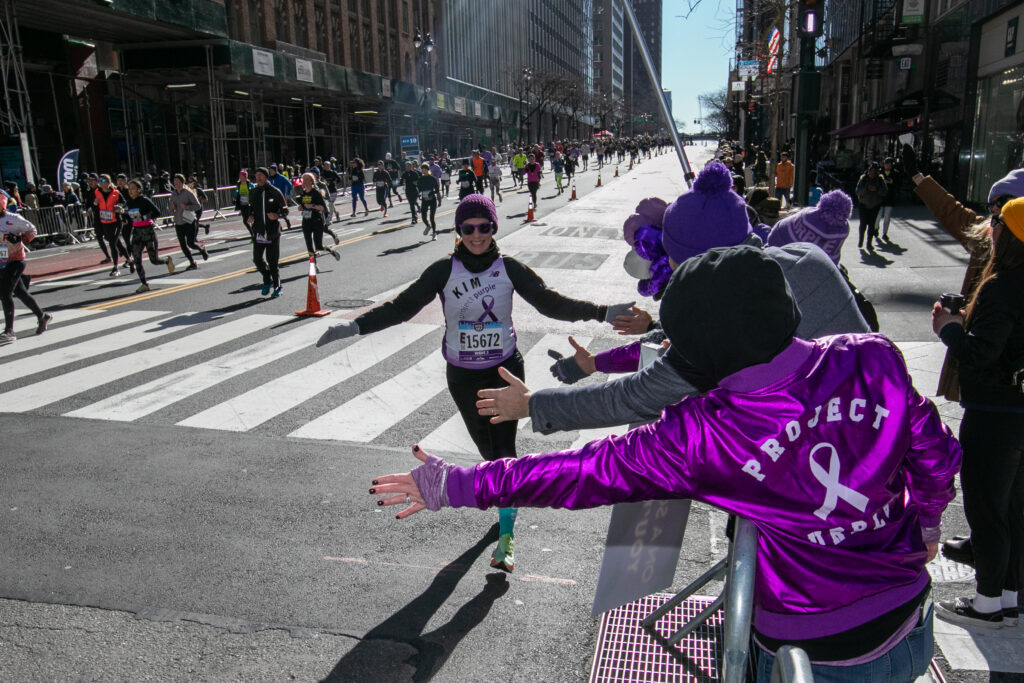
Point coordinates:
pixel 1011 616
pixel 106 260
pixel 192 266
pixel 502 557
pixel 206 254
pixel 43 322
pixel 170 265
pixel 265 290
pixel 336 240
pixel 277 292
pixel 335 254
pixel 426 230
pixel 131 267
pixel 114 273
pixel 7 338
pixel 142 288
pixel 961 611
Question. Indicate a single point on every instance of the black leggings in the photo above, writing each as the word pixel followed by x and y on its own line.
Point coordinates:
pixel 992 477
pixel 313 233
pixel 145 238
pixel 533 187
pixel 382 196
pixel 187 238
pixel 268 269
pixel 428 207
pixel 494 441
pixel 868 223
pixel 11 285
pixel 111 233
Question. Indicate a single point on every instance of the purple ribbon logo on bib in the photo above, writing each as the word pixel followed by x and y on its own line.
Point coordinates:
pixel 488 302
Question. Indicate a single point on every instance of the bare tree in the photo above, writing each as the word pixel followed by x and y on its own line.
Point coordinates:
pixel 718 118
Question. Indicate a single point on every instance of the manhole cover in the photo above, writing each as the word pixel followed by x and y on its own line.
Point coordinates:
pixel 945 570
pixel 348 303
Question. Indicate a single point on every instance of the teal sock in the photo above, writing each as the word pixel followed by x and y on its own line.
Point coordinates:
pixel 507 521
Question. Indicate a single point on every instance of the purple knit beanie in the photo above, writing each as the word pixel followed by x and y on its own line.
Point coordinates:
pixel 475 206
pixel 709 215
pixel 825 225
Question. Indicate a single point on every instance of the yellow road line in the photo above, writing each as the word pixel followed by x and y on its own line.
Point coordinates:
pixel 301 256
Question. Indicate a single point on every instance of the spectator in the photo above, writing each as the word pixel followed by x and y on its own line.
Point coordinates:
pixel 784 172
pixel 892 178
pixel 871 191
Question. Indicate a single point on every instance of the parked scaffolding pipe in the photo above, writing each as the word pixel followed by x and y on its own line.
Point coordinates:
pixel 792 666
pixel 656 84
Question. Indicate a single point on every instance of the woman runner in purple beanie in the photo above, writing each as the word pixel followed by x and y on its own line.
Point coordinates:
pixel 475 285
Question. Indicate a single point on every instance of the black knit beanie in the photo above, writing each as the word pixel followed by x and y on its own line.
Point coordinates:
pixel 726 310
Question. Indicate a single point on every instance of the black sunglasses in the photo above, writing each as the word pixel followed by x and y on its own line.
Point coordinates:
pixel 996 205
pixel 483 228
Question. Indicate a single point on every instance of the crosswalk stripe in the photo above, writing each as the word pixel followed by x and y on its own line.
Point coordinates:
pixel 28 321
pixel 450 437
pixel 90 348
pixel 369 415
pixel 148 398
pixel 68 332
pixel 265 402
pixel 68 384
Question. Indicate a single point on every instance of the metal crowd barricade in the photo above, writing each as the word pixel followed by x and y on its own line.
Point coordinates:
pixel 792 665
pixel 739 569
pixel 59 224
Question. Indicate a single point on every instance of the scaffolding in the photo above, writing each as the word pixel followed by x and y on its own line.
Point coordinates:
pixel 16 118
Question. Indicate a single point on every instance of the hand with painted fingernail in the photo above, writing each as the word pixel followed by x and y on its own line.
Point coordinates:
pixel 423 488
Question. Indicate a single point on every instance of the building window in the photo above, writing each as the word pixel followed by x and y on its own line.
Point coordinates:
pixel 339 50
pixel 405 17
pixel 353 42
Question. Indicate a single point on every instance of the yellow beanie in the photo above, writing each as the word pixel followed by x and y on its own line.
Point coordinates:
pixel 1013 217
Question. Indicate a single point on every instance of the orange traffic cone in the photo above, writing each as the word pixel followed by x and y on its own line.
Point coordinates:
pixel 616 170
pixel 529 213
pixel 312 294
pixel 630 165
pixel 573 197
pixel 598 179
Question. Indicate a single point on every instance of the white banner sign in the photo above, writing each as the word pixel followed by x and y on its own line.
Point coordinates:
pixel 476 109
pixel 385 87
pixel 460 105
pixel 262 62
pixel 304 70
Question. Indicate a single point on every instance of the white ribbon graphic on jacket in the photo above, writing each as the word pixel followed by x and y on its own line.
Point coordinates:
pixel 833 489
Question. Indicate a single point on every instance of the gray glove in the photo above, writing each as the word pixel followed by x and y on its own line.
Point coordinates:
pixel 616 310
pixel 343 330
pixel 566 370
pixel 432 480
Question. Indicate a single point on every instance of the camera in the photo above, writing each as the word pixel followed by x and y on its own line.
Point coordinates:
pixel 952 303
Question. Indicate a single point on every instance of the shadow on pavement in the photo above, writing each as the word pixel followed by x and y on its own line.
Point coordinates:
pixel 402 250
pixel 891 247
pixel 374 657
pixel 873 258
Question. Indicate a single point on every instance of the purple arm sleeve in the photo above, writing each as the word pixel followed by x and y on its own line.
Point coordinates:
pixel 933 460
pixel 620 359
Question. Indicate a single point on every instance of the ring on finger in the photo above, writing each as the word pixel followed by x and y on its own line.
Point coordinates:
pixel 407 499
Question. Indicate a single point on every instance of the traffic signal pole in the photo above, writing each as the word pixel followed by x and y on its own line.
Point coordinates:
pixel 808 95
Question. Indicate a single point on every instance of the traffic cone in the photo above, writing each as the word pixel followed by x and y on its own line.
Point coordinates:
pixel 616 170
pixel 529 213
pixel 598 179
pixel 312 294
pixel 630 165
pixel 573 197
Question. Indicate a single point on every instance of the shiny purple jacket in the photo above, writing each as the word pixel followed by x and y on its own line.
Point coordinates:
pixel 828 449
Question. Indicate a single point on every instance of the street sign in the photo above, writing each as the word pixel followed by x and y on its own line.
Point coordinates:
pixel 749 68
pixel 738 86
pixel 411 141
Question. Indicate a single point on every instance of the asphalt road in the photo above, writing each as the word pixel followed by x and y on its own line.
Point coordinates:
pixel 184 479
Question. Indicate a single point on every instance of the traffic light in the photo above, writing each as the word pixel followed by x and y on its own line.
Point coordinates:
pixel 811 13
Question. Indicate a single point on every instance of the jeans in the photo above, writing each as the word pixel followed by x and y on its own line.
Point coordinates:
pixel 886 216
pixel 783 192
pixel 904 663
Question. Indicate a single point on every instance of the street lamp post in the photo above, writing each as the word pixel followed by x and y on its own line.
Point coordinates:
pixel 524 90
pixel 425 44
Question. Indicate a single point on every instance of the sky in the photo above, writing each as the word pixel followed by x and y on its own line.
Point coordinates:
pixel 695 52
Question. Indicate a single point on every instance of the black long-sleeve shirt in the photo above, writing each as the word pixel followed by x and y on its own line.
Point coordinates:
pixel 991 347
pixel 527 284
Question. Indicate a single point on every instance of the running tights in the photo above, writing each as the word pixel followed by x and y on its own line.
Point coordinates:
pixel 145 238
pixel 494 441
pixel 11 285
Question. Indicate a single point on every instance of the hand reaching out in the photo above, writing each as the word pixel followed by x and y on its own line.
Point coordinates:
pixel 635 321
pixel 507 403
pixel 401 489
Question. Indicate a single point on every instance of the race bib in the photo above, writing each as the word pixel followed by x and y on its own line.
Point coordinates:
pixel 480 341
pixel 3 253
pixel 106 216
pixel 446 176
pixel 188 216
pixel 307 213
pixel 134 214
pixel 381 183
pixel 465 183
pixel 243 200
pixel 426 194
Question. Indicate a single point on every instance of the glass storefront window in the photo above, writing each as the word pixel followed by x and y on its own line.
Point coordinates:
pixel 998 145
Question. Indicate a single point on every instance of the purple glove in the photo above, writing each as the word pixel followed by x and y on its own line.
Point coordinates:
pixel 432 480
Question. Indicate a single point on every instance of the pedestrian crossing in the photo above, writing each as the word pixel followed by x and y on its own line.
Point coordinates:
pixel 206 371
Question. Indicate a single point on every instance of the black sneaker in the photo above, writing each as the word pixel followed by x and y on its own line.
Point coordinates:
pixel 959 549
pixel 1011 616
pixel 43 322
pixel 961 611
